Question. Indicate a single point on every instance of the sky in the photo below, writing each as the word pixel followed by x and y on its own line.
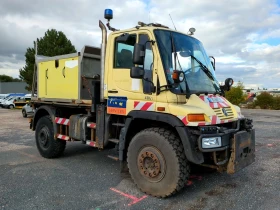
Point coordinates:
pixel 243 36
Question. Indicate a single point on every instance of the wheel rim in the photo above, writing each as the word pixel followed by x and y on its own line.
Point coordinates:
pixel 23 113
pixel 44 137
pixel 151 164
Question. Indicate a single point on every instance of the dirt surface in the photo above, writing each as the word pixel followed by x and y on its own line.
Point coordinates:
pixel 84 178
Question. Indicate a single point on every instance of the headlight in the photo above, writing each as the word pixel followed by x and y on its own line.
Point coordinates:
pixel 211 142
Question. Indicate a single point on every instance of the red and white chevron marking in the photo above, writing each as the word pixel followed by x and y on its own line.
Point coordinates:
pixel 62 137
pixel 144 106
pixel 91 143
pixel 91 125
pixel 183 119
pixel 214 101
pixel 62 121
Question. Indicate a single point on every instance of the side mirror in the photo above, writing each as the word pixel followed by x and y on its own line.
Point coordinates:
pixel 139 54
pixel 213 62
pixel 228 83
pixel 178 76
pixel 137 72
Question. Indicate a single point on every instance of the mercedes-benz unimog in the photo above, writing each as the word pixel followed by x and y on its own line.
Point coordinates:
pixel 150 91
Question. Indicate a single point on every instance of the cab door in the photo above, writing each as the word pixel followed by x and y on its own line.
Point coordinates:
pixel 131 93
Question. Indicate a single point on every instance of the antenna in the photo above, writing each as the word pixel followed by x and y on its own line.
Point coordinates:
pixel 172 22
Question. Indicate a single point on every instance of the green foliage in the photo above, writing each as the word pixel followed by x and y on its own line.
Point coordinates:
pixel 276 103
pixel 52 44
pixel 264 100
pixel 6 78
pixel 235 95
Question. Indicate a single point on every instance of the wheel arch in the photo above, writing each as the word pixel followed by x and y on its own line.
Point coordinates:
pixel 44 111
pixel 154 119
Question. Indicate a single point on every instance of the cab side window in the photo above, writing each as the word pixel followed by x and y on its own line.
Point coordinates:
pixel 123 55
pixel 148 63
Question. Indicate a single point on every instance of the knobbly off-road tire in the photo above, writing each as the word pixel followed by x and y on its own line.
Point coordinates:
pixel 46 144
pixel 153 149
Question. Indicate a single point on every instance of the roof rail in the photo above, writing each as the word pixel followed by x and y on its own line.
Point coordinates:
pixel 152 24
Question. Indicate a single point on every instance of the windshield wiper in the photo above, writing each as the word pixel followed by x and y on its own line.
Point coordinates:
pixel 205 69
pixel 208 73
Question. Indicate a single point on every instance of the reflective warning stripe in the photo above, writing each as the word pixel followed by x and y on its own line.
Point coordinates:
pixel 62 121
pixel 91 143
pixel 183 119
pixel 240 116
pixel 91 125
pixel 214 121
pixel 144 106
pixel 63 137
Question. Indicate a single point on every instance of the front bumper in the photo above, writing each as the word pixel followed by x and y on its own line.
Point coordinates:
pixel 242 151
pixel 237 149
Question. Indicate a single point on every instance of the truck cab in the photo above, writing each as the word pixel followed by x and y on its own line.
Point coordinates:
pixel 153 93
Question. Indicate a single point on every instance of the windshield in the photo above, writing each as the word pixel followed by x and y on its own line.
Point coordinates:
pixel 186 54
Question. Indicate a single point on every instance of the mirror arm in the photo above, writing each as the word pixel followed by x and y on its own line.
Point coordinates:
pixel 147 80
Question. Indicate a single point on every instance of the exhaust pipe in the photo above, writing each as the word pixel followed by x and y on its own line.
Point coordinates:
pixel 103 51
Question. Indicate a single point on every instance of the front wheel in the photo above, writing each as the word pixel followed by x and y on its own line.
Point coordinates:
pixel 157 162
pixel 11 106
pixel 48 147
pixel 24 113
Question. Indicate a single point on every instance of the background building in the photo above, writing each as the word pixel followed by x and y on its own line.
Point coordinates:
pixel 13 87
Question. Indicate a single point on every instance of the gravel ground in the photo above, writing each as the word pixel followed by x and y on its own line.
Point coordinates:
pixel 84 178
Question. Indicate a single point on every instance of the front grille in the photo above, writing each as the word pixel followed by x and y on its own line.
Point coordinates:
pixel 221 115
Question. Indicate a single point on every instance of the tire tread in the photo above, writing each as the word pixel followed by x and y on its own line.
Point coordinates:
pixel 177 147
pixel 58 146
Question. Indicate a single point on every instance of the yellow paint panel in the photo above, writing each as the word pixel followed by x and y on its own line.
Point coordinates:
pixel 61 82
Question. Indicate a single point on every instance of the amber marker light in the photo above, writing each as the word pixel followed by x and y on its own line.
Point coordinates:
pixel 196 117
pixel 161 109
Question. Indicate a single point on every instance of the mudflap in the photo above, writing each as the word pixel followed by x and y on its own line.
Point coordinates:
pixel 242 151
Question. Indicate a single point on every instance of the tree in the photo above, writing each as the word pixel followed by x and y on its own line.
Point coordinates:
pixel 6 78
pixel 235 95
pixel 276 103
pixel 264 100
pixel 52 44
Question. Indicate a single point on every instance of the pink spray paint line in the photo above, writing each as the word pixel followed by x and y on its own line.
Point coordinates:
pixel 189 182
pixel 133 198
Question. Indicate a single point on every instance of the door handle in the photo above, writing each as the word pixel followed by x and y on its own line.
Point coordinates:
pixel 63 71
pixel 47 73
pixel 112 91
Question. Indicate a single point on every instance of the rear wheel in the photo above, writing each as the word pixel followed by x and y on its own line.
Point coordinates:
pixel 46 144
pixel 11 106
pixel 157 162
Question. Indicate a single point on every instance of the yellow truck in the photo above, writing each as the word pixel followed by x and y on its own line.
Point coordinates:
pixel 151 93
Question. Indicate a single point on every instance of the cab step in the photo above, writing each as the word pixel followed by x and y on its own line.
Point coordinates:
pixel 116 158
pixel 116 141
pixel 118 124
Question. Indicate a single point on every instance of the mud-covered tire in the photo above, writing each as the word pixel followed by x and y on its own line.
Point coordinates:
pixel 168 150
pixel 47 146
